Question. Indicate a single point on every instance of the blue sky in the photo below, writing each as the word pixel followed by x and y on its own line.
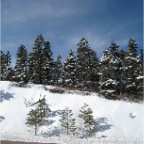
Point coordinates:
pixel 65 22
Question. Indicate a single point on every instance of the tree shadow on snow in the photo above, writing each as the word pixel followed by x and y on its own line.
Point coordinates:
pixel 102 136
pixel 101 125
pixel 1 118
pixel 5 96
pixel 47 122
pixel 55 131
pixel 56 113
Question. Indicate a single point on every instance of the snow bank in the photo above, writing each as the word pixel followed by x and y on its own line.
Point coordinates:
pixel 113 119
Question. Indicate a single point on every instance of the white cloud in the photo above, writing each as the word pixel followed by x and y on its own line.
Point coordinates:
pixel 27 10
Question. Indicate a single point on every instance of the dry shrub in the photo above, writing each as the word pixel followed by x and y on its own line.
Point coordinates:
pixel 74 88
pixel 56 90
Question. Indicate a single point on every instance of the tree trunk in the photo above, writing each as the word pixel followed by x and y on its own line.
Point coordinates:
pixel 35 129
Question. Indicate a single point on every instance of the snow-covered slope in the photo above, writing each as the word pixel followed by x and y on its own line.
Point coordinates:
pixel 114 120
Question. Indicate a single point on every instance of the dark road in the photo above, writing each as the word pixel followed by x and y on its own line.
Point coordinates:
pixel 20 142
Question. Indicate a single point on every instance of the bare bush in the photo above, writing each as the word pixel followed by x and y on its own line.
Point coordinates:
pixel 56 90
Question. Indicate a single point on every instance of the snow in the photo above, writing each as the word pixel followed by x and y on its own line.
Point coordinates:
pixel 109 81
pixel 108 91
pixel 132 58
pixel 140 77
pixel 114 119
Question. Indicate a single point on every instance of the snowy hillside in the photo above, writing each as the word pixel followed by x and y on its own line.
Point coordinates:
pixel 116 120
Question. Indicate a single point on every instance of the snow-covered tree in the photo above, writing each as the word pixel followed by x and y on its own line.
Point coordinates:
pixel 34 119
pixel 2 66
pixel 57 71
pixel 6 69
pixel 122 54
pixel 111 68
pixel 36 116
pixel 35 61
pixel 43 108
pixel 86 114
pixel 140 76
pixel 73 126
pixel 40 62
pixel 141 56
pixel 67 122
pixel 87 65
pixel 47 63
pixel 70 78
pixel 131 64
pixel 20 70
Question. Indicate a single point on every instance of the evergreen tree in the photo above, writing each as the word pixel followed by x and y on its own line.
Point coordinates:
pixel 66 120
pixel 34 119
pixel 20 70
pixel 6 69
pixel 141 56
pixel 131 64
pixel 122 54
pixel 43 108
pixel 40 62
pixel 47 63
pixel 86 114
pixel 104 71
pixel 70 70
pixel 36 116
pixel 87 65
pixel 2 66
pixel 140 76
pixel 123 78
pixel 35 61
pixel 73 126
pixel 111 72
pixel 58 71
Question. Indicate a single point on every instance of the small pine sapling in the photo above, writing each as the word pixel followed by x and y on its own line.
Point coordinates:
pixel 44 109
pixel 34 119
pixel 73 126
pixel 86 114
pixel 67 122
pixel 36 116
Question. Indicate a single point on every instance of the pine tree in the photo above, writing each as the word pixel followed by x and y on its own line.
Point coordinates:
pixel 6 69
pixel 122 54
pixel 40 62
pixel 2 66
pixel 116 65
pixel 20 70
pixel 66 121
pixel 43 108
pixel 104 71
pixel 131 64
pixel 73 126
pixel 86 114
pixel 111 72
pixel 36 116
pixel 47 63
pixel 70 70
pixel 35 61
pixel 87 65
pixel 140 77
pixel 58 71
pixel 141 56
pixel 34 119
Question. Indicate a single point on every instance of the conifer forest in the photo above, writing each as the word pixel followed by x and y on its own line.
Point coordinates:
pixel 117 74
